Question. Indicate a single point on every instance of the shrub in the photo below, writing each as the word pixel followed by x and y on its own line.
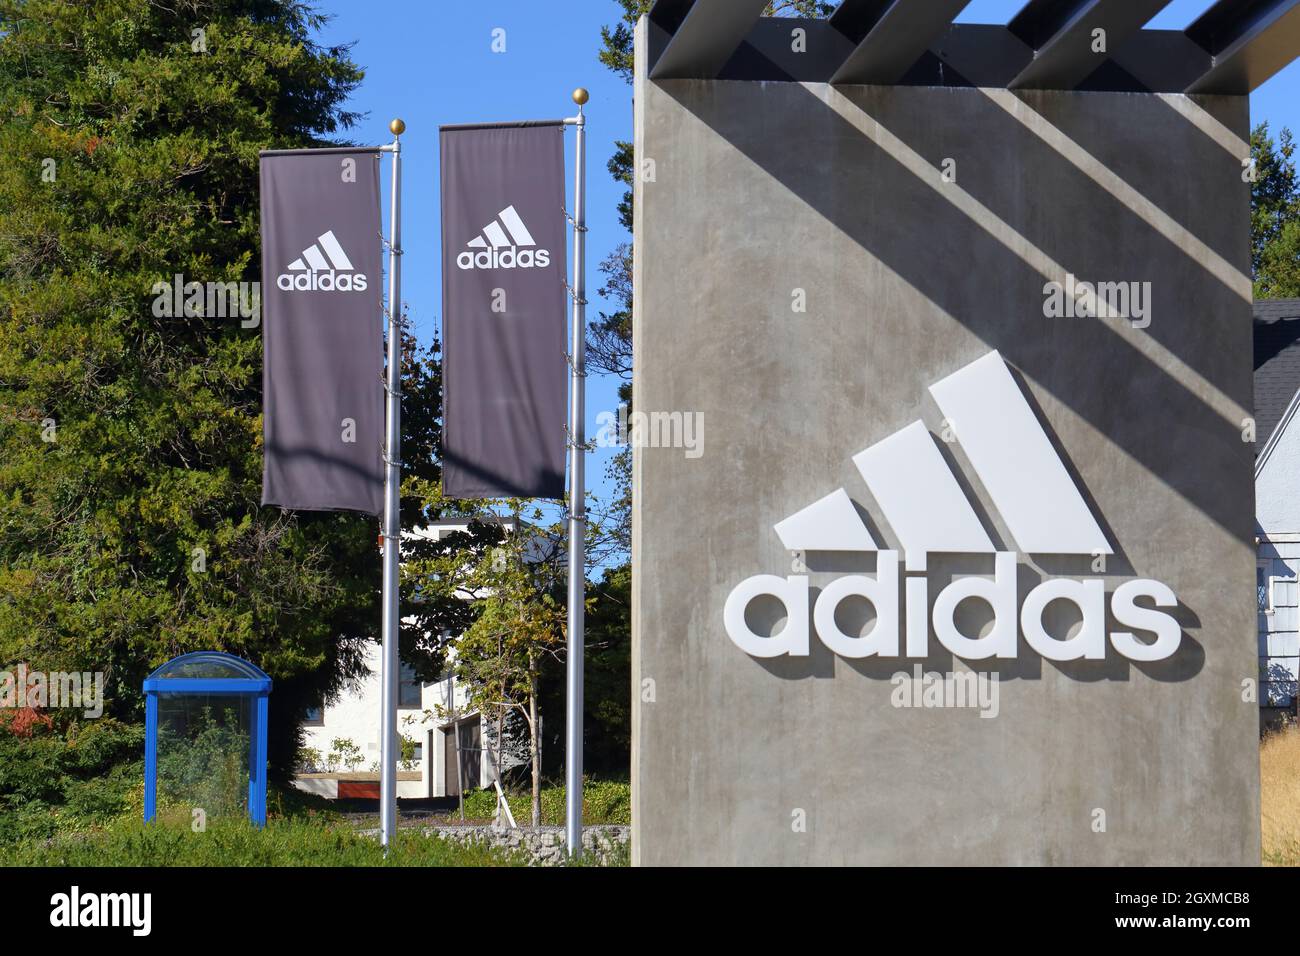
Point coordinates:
pixel 295 842
pixel 603 801
pixel 203 762
pixel 68 779
pixel 343 752
pixel 607 801
pixel 309 760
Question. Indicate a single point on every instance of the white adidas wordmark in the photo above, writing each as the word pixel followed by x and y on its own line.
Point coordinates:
pixel 923 502
pixel 505 243
pixel 329 270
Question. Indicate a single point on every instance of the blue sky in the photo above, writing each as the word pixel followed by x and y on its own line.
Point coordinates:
pixel 431 62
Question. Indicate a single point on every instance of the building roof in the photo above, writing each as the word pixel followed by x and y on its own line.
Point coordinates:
pixel 1277 363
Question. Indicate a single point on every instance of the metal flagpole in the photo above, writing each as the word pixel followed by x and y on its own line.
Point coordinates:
pixel 392 533
pixel 577 493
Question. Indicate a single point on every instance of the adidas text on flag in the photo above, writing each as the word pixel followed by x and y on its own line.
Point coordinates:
pixel 505 243
pixel 323 267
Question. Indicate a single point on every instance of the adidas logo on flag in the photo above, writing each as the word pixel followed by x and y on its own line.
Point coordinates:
pixel 324 267
pixel 922 501
pixel 494 249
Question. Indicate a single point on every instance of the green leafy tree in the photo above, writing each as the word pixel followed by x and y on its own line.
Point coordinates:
pixel 130 444
pixel 519 626
pixel 607 698
pixel 1274 215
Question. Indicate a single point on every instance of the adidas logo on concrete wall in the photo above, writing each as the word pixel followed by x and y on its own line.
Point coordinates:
pixel 922 501
pixel 323 267
pixel 505 243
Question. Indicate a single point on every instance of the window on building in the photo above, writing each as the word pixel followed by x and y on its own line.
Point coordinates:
pixel 1264 586
pixel 314 717
pixel 409 688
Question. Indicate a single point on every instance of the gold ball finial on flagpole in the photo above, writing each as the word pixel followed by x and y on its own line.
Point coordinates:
pixel 580 96
pixel 397 127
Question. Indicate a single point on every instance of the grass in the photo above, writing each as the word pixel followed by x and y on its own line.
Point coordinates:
pixel 1279 772
pixel 603 801
pixel 302 830
pixel 293 841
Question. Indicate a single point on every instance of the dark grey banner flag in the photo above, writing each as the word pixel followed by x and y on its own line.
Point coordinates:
pixel 503 306
pixel 322 331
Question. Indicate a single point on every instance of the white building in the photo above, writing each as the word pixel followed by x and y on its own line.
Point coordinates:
pixel 1277 503
pixel 436 714
pixel 424 713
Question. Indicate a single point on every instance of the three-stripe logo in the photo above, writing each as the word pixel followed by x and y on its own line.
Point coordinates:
pixel 922 501
pixel 323 267
pixel 504 243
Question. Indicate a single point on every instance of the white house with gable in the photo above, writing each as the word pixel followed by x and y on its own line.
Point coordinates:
pixel 455 749
pixel 1277 504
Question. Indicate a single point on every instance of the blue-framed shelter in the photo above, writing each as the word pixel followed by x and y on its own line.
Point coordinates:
pixel 210 673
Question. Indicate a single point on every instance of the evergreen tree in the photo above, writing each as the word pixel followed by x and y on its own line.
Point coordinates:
pixel 130 444
pixel 1274 215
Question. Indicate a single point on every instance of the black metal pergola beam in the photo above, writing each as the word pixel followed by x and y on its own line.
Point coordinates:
pixel 1248 41
pixel 703 35
pixel 891 35
pixel 1231 49
pixel 1061 34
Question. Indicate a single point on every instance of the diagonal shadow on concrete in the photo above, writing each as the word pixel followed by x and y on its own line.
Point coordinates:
pixel 1163 400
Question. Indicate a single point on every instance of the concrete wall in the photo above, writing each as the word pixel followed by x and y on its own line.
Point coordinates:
pixel 762 189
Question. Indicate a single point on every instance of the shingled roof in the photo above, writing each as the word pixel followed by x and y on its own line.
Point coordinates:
pixel 1277 363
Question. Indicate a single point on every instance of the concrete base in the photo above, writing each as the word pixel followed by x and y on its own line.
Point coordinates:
pixel 755 199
